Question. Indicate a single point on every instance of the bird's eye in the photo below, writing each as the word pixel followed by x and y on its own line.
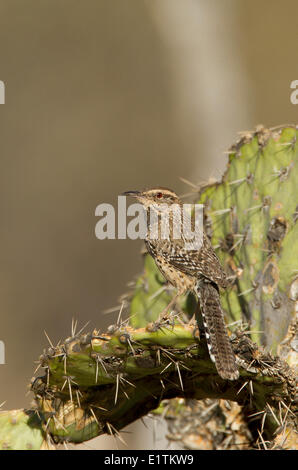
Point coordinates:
pixel 159 195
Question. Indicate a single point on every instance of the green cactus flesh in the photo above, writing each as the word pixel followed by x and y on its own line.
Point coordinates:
pixel 20 429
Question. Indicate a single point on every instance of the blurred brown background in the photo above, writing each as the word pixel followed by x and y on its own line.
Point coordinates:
pixel 104 96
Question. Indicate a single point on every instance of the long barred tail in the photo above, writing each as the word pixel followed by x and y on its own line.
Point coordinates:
pixel 218 341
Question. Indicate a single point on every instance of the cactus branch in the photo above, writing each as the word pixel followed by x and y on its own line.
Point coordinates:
pixel 125 375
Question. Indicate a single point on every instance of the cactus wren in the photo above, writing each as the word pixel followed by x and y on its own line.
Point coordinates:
pixel 189 268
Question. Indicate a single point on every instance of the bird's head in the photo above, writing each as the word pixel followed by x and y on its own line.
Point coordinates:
pixel 156 197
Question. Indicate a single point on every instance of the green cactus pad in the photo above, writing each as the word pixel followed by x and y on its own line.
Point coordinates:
pixel 20 430
pixel 257 235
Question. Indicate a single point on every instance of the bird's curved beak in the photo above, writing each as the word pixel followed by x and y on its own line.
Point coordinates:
pixel 131 193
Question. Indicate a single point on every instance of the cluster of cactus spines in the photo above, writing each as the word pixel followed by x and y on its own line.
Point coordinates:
pixel 288 348
pixel 222 425
pixel 97 383
pixel 207 424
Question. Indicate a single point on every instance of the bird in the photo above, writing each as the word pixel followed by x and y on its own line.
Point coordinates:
pixel 190 267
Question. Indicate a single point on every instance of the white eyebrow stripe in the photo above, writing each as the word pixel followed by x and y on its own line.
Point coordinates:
pixel 166 192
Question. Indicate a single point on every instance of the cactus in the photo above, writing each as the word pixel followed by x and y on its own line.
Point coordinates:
pixel 250 216
pixel 256 232
pixel 98 383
